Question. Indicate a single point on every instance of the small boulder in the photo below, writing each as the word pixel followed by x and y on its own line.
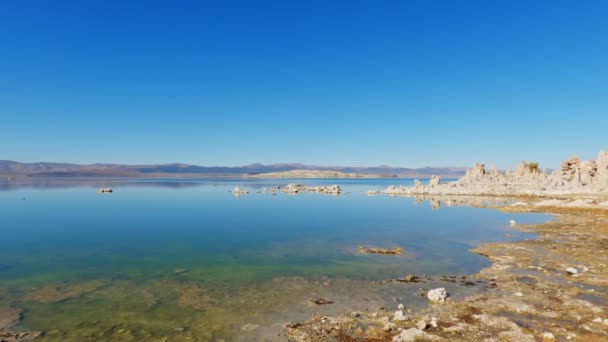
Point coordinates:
pixel 548 336
pixel 437 295
pixel 399 316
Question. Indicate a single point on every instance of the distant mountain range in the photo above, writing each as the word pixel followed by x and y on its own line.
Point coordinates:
pixel 45 169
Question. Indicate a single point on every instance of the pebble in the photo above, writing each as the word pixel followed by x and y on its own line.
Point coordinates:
pixel 518 294
pixel 571 270
pixel 548 336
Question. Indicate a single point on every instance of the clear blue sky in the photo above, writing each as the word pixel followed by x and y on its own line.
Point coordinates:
pixel 403 83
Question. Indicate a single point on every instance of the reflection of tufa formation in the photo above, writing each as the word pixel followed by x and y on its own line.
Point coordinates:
pixel 237 192
pixel 574 177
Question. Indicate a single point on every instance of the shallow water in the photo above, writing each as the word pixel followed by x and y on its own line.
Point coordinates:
pixel 186 260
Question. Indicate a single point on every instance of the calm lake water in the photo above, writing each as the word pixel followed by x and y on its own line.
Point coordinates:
pixel 186 260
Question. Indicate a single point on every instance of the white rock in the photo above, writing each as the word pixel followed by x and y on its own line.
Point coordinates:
pixel 548 336
pixel 399 316
pixel 434 322
pixel 434 181
pixel 389 326
pixel 571 270
pixel 437 295
pixel 400 307
pixel 512 223
pixel 421 325
pixel 237 191
pixel 518 294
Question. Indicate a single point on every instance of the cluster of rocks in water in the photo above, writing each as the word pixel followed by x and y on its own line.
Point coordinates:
pixel 573 178
pixel 383 251
pixel 294 189
pixel 300 188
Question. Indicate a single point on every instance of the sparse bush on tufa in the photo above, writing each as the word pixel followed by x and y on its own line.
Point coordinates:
pixel 533 167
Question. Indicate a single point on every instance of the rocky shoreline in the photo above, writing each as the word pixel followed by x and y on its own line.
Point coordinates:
pixel 551 288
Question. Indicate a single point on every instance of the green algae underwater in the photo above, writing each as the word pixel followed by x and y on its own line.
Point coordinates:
pixel 167 260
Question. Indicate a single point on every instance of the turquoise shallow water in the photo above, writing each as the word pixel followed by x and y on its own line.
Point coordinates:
pixel 157 256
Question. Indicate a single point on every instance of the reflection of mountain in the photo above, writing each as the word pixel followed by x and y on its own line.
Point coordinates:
pixel 185 170
pixel 58 183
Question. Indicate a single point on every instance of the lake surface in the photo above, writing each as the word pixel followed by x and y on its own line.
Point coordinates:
pixel 186 260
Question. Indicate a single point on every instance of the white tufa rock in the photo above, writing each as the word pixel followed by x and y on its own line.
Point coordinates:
pixel 548 336
pixel 574 177
pixel 434 181
pixel 518 294
pixel 512 223
pixel 571 270
pixel 237 191
pixel 399 316
pixel 437 295
pixel 300 188
pixel 400 307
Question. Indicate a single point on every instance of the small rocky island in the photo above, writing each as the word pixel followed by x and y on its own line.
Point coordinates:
pixel 300 188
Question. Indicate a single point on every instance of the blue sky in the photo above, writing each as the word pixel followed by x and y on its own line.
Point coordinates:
pixel 403 83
